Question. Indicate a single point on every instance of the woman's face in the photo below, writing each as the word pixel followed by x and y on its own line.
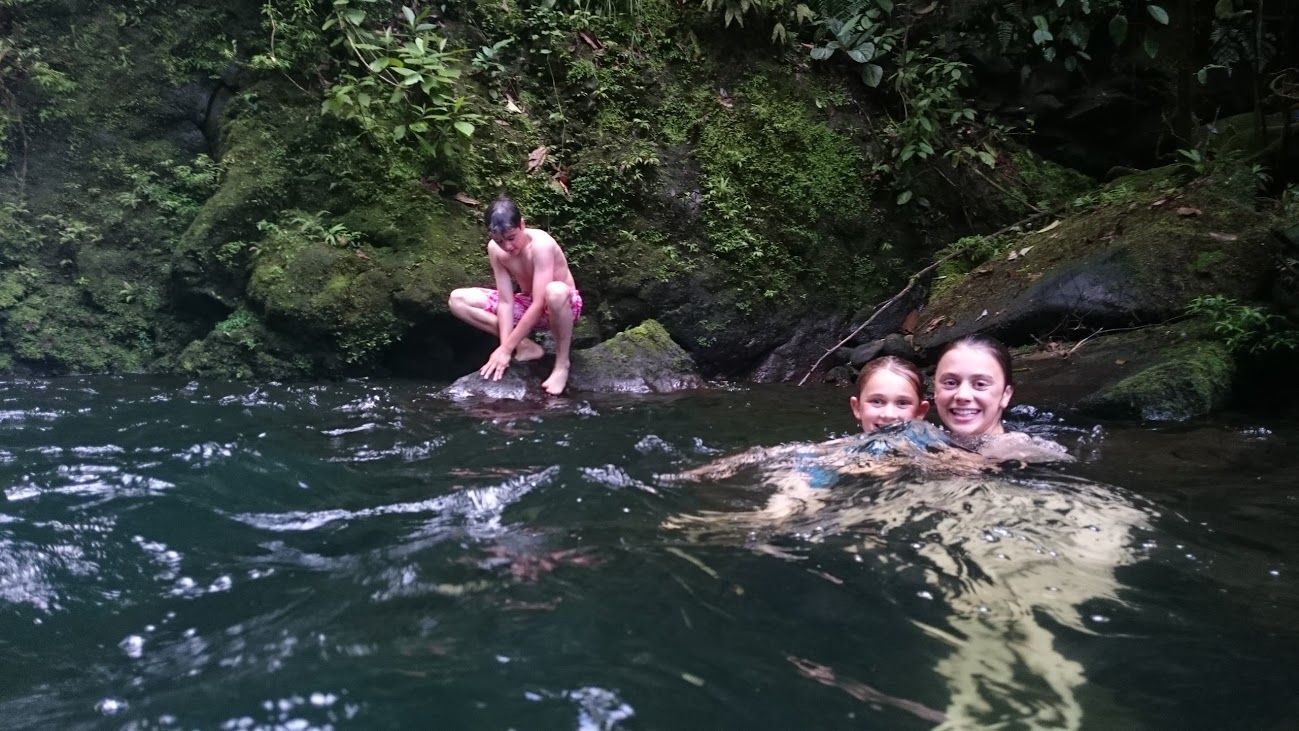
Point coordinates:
pixel 970 391
pixel 887 398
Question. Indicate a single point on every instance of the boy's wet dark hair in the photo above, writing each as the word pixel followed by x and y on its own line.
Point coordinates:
pixel 893 364
pixel 990 345
pixel 501 216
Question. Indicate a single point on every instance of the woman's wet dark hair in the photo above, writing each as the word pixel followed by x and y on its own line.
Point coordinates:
pixel 501 216
pixel 990 345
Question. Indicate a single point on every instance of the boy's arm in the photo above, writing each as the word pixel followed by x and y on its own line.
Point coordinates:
pixel 543 273
pixel 499 360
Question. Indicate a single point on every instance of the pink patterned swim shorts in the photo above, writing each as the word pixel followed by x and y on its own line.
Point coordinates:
pixel 523 301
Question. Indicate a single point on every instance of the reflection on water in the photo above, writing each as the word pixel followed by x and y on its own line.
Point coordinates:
pixel 1010 552
pixel 367 554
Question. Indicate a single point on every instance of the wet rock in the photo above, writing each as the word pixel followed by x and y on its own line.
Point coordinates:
pixel 642 359
pixel 894 344
pixel 1191 380
pixel 520 382
pixel 797 355
pixel 1131 259
pixel 1160 373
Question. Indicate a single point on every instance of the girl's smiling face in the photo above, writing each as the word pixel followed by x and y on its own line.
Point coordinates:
pixel 970 391
pixel 887 398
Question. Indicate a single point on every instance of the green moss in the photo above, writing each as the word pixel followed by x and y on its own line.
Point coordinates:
pixel 634 347
pixel 1141 232
pixel 1193 379
pixel 1047 183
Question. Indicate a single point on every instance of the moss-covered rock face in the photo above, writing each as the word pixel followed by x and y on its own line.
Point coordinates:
pixel 1191 380
pixel 1158 373
pixel 1140 250
pixel 642 359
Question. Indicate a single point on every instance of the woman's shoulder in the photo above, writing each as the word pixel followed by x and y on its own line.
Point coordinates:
pixel 1022 446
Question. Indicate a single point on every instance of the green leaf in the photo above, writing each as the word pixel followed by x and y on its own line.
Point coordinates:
pixel 872 74
pixel 904 197
pixel 1224 8
pixel 1159 14
pixel 863 53
pixel 1202 76
pixel 355 16
pixel 885 5
pixel 1042 37
pixel 821 53
pixel 408 14
pixel 379 64
pixel 1151 44
pixel 1119 29
pixel 398 132
pixel 465 128
pixel 1040 22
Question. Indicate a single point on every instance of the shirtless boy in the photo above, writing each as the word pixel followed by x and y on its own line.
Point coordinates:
pixel 530 257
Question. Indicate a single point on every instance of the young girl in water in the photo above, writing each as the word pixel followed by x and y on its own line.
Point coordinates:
pixel 889 390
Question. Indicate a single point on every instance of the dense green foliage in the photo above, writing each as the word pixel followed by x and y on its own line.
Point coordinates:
pixel 290 187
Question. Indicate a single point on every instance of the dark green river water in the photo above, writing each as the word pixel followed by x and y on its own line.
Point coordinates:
pixel 369 555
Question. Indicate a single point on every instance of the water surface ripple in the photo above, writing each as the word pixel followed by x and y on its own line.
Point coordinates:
pixel 366 554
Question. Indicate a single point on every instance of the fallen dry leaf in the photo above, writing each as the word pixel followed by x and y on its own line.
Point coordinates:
pixel 559 181
pixel 909 322
pixel 1159 203
pixel 511 105
pixel 1048 227
pixel 1188 212
pixel 590 40
pixel 981 315
pixel 1222 237
pixel 724 98
pixel 466 199
pixel 1121 361
pixel 537 157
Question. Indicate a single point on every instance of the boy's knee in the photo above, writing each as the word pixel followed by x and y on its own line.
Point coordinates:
pixel 557 293
pixel 458 298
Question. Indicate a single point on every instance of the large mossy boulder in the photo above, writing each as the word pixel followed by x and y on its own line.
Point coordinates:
pixel 1139 254
pixel 1157 373
pixel 642 359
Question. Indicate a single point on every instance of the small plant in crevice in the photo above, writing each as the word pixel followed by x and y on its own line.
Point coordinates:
pixel 1245 328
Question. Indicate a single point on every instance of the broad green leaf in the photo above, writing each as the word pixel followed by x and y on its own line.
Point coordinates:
pixel 862 54
pixel 821 54
pixel 408 14
pixel 1159 14
pixel 1202 76
pixel 1042 37
pixel 1040 22
pixel 420 127
pixel 465 128
pixel 355 16
pixel 379 64
pixel 1119 29
pixel 904 197
pixel 872 74
pixel 1151 44
pixel 885 5
pixel 399 132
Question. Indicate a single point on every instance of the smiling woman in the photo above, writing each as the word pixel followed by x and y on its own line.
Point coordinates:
pixel 972 386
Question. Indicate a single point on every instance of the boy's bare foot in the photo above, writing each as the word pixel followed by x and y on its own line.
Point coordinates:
pixel 557 381
pixel 528 350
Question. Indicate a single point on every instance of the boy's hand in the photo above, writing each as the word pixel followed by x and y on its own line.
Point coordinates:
pixel 496 364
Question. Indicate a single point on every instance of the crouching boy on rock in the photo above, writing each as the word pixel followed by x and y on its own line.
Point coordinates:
pixel 547 296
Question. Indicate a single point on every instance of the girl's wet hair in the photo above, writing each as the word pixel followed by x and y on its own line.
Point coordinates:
pixel 501 216
pixel 895 365
pixel 990 345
